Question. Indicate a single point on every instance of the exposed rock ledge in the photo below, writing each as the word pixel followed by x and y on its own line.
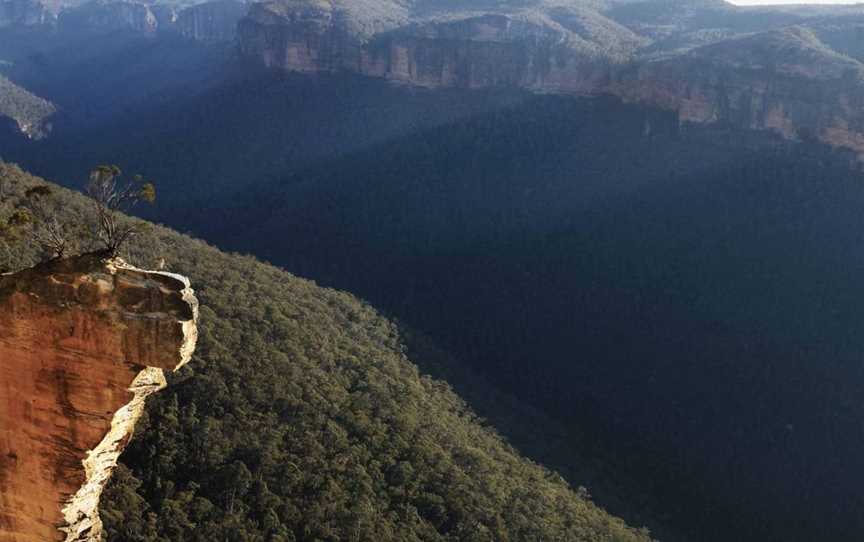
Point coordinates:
pixel 83 342
pixel 707 61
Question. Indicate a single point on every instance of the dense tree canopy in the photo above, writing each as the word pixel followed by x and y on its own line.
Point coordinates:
pixel 300 418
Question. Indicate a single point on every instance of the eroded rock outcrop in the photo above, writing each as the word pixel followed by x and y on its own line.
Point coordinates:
pixel 83 342
pixel 797 73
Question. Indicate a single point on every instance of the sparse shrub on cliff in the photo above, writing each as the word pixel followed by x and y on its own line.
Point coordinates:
pixel 113 195
pixel 53 237
pixel 56 238
pixel 19 217
pixel 34 219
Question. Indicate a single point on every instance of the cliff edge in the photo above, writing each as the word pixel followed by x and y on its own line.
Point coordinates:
pixel 797 74
pixel 83 342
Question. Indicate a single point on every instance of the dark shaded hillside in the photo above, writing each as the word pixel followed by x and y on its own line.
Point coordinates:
pixel 677 302
pixel 94 77
pixel 300 418
pixel 248 131
pixel 683 300
pixel 698 289
pixel 26 111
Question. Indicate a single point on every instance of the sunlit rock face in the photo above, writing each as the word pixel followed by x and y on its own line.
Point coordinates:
pixel 83 342
pixel 799 75
pixel 785 81
pixel 557 49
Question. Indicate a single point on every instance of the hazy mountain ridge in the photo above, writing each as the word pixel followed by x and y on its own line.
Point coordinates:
pixel 710 62
pixel 50 70
pixel 213 21
pixel 207 21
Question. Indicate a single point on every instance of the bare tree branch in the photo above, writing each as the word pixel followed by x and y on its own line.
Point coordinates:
pixel 48 232
pixel 51 236
pixel 112 196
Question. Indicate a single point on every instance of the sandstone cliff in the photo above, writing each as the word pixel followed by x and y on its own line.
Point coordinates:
pixel 795 72
pixel 83 342
pixel 798 72
pixel 214 21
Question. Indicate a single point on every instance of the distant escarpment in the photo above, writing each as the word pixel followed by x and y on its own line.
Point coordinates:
pixel 214 21
pixel 798 73
pixel 83 342
pixel 112 16
pixel 23 13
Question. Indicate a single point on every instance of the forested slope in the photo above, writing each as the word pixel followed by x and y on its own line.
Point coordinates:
pixel 300 418
pixel 28 111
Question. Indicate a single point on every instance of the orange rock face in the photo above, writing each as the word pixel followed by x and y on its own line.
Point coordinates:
pixel 83 341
